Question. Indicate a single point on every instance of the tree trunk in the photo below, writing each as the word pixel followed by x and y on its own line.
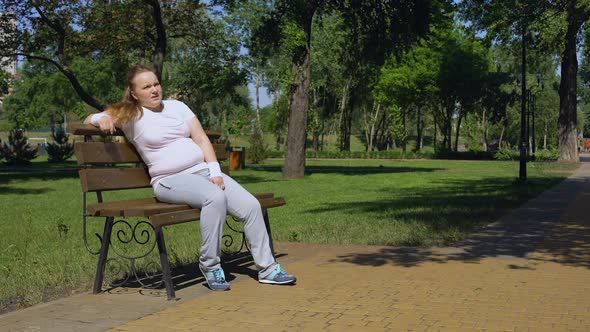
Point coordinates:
pixel 299 106
pixel 568 90
pixel 257 83
pixel 418 129
pixel 404 141
pixel 484 124
pixel 345 117
pixel 160 48
pixel 435 132
pixel 545 138
pixel 278 124
pixel 457 131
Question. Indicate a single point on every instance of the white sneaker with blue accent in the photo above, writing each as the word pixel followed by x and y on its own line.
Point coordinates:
pixel 278 277
pixel 216 279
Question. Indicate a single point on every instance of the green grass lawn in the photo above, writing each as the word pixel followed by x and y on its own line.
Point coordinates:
pixel 417 203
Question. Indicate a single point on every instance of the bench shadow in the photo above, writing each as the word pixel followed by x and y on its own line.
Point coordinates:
pixel 519 234
pixel 185 276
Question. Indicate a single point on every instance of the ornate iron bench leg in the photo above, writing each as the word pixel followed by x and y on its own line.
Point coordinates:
pixel 267 224
pixel 102 258
pixel 166 274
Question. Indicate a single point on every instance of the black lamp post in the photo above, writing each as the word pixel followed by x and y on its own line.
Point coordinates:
pixel 523 111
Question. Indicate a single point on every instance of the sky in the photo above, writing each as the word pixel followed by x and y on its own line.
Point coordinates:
pixel 265 98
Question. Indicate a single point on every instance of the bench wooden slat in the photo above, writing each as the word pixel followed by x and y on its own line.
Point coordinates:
pixel 162 212
pixel 268 203
pixel 90 130
pixel 99 153
pixel 99 179
pixel 81 129
pixel 177 217
pixel 263 195
pixel 93 153
pixel 144 207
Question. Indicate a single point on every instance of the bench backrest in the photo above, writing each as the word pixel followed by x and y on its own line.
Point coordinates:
pixel 100 157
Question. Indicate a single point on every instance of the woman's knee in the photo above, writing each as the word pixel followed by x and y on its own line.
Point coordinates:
pixel 250 206
pixel 216 198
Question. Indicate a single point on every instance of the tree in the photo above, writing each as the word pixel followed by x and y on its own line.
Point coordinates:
pixel 377 26
pixel 18 151
pixel 555 25
pixel 60 149
pixel 57 32
pixel 43 96
pixel 410 81
pixel 447 73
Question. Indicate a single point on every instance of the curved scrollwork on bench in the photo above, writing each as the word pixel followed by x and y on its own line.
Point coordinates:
pixel 228 239
pixel 138 239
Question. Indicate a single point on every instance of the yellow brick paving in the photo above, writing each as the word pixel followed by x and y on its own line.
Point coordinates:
pixel 548 290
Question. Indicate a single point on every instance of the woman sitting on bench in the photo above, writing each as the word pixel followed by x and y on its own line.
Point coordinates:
pixel 184 170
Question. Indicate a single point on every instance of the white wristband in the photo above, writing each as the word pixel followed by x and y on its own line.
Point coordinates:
pixel 95 117
pixel 214 169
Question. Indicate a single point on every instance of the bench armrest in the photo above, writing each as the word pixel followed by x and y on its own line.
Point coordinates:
pixel 90 130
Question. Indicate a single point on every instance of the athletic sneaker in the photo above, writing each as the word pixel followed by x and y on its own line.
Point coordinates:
pixel 278 277
pixel 216 279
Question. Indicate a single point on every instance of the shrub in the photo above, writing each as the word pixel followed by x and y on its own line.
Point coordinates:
pixel 506 154
pixel 18 151
pixel 547 155
pixel 60 150
pixel 258 150
pixel 463 155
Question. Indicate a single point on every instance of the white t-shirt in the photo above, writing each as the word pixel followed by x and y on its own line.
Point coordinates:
pixel 164 143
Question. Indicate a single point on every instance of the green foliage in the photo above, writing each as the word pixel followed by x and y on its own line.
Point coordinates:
pixel 43 96
pixel 398 130
pixel 4 82
pixel 507 154
pixel 547 155
pixel 18 151
pixel 60 150
pixel 258 150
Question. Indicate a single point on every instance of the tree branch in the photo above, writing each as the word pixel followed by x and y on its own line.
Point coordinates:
pixel 85 96
pixel 61 34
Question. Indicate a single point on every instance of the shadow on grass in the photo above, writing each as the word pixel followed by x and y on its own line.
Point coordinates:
pixel 7 190
pixel 517 234
pixel 37 174
pixel 351 170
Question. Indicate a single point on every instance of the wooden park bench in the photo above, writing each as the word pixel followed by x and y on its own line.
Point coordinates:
pixel 109 166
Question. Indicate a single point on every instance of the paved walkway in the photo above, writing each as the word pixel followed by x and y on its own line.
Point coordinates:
pixel 530 271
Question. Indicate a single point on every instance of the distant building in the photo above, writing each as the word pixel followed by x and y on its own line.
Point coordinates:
pixel 8 26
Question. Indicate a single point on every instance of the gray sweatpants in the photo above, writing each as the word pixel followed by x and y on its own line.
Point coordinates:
pixel 198 191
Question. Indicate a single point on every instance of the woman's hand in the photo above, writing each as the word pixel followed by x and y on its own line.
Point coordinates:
pixel 218 181
pixel 106 125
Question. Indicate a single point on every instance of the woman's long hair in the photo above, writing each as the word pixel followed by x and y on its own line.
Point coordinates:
pixel 128 109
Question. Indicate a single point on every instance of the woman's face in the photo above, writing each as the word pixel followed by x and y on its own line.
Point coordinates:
pixel 147 91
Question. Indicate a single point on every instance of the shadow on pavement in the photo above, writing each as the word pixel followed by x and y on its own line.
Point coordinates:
pixel 189 275
pixel 520 234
